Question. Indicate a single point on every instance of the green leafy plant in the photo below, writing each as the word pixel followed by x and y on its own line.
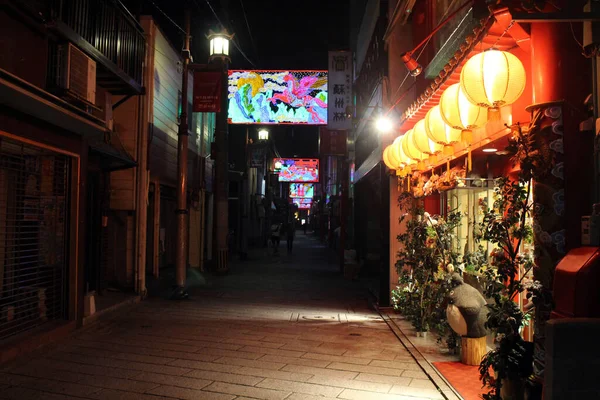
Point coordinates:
pixel 424 266
pixel 505 226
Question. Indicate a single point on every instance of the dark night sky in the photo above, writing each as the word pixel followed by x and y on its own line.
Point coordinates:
pixel 286 35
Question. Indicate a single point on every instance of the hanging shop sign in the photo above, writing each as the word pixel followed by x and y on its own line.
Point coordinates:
pixel 277 97
pixel 339 105
pixel 256 157
pixel 332 142
pixel 207 91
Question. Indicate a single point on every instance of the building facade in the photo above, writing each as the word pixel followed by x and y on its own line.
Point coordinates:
pixel 61 77
pixel 371 189
pixel 88 164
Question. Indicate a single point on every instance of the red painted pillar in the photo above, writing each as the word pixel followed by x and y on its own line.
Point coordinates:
pixel 560 74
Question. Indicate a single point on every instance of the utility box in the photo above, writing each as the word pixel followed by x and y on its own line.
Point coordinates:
pixel 577 284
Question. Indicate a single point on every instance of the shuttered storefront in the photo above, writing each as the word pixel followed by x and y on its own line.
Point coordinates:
pixel 34 204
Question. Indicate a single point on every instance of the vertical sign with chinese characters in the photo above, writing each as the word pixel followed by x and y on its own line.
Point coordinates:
pixel 339 105
pixel 207 91
pixel 332 143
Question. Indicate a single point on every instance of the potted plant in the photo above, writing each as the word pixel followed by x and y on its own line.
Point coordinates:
pixel 505 369
pixel 424 266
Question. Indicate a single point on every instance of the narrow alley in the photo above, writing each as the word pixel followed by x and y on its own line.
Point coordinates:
pixel 276 327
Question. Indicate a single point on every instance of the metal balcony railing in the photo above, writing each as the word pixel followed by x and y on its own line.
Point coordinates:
pixel 109 28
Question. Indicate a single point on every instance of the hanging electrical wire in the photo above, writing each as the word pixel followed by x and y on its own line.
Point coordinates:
pixel 166 16
pixel 443 20
pixel 249 31
pixel 221 23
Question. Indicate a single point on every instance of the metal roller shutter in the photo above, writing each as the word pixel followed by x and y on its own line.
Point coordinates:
pixel 34 204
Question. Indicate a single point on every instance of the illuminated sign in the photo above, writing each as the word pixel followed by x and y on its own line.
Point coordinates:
pixel 277 97
pixel 301 190
pixel 298 170
pixel 303 204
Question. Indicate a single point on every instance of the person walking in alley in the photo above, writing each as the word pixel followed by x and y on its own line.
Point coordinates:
pixel 290 232
pixel 275 236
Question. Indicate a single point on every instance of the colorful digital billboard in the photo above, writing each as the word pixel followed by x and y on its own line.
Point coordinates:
pixel 303 204
pixel 277 97
pixel 302 190
pixel 298 170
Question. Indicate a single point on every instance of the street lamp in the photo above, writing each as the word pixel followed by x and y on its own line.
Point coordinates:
pixel 263 134
pixel 219 44
pixel 219 56
pixel 383 124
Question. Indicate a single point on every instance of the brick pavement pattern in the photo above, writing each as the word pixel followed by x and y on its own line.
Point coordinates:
pixel 275 328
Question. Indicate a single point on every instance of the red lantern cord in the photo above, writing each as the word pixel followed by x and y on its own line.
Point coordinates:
pixel 424 42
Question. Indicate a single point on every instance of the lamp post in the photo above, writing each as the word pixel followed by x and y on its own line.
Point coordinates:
pixel 182 150
pixel 219 55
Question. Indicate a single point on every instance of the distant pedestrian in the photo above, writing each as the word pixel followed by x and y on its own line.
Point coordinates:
pixel 304 226
pixel 290 233
pixel 275 236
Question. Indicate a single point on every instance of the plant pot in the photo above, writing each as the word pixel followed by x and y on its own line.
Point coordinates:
pixel 422 334
pixel 513 389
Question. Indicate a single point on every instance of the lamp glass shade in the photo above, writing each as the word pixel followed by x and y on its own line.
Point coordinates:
pixel 219 45
pixel 493 79
pixel 460 113
pixel 409 148
pixel 263 134
pixel 438 130
pixel 422 142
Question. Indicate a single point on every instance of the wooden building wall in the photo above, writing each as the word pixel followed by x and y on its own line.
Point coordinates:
pixel 122 183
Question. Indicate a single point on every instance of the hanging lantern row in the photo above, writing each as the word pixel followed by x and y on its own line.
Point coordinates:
pixel 488 81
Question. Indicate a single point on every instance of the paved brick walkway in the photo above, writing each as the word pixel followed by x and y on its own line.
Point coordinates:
pixel 286 327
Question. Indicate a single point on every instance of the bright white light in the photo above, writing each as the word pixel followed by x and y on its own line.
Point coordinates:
pixel 384 125
pixel 490 150
pixel 277 164
pixel 263 134
pixel 219 45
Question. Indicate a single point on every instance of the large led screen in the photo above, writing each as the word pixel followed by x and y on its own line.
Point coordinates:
pixel 277 97
pixel 298 170
pixel 302 190
pixel 303 204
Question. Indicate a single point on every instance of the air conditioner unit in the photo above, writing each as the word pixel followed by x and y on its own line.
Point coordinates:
pixel 77 73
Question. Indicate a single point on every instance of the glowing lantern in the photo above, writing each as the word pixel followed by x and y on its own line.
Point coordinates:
pixel 386 158
pixel 394 153
pixel 399 152
pixel 440 132
pixel 424 143
pixel 460 113
pixel 409 148
pixel 493 79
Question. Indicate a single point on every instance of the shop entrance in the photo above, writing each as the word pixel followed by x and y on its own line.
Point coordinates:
pixel 34 199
